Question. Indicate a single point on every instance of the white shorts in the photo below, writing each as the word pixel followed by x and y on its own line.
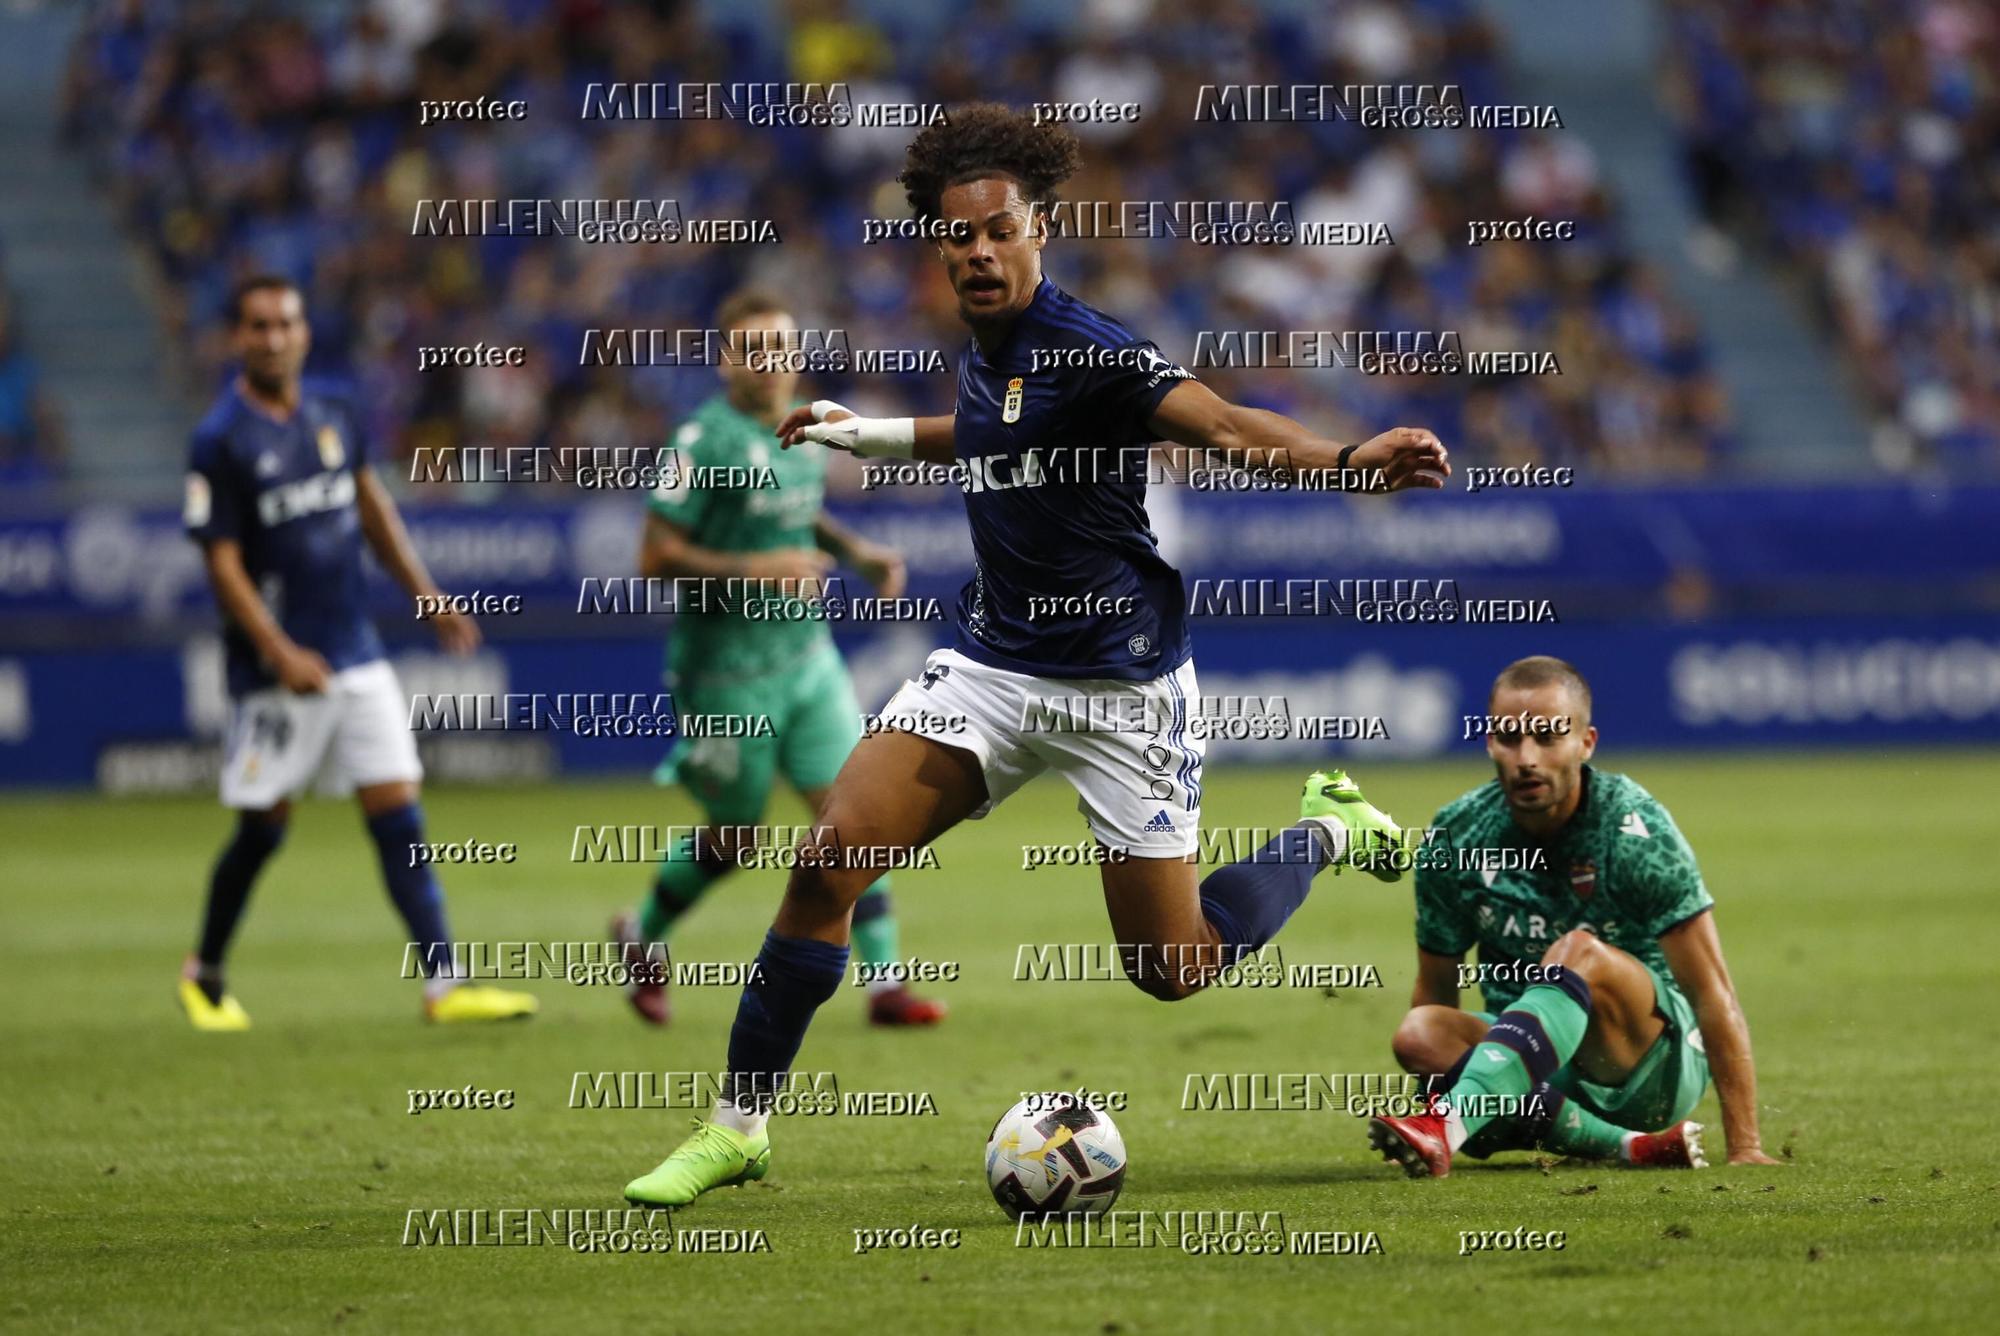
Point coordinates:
pixel 1127 750
pixel 353 734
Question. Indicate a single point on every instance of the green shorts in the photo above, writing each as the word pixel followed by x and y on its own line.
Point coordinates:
pixel 1667 1083
pixel 814 723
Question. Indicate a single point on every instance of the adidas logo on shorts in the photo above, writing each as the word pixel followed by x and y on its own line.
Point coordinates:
pixel 1160 824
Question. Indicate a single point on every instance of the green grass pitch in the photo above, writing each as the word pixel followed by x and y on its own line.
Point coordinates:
pixel 159 1180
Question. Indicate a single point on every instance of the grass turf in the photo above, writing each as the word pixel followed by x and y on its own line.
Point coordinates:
pixel 161 1180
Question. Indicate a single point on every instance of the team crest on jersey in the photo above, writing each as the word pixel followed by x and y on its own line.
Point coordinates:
pixel 331 451
pixel 1010 407
pixel 1583 878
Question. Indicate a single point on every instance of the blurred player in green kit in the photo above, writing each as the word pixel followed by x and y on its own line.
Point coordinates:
pixel 764 523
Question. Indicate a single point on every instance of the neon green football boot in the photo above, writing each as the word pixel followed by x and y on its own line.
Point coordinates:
pixel 1364 834
pixel 472 1003
pixel 224 1014
pixel 714 1157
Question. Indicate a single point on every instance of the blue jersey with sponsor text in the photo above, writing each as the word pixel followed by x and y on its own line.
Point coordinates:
pixel 1052 439
pixel 285 491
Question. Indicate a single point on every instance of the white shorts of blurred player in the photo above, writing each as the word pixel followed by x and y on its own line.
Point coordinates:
pixel 353 734
pixel 1125 747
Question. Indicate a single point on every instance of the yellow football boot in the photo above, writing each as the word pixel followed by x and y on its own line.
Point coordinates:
pixel 228 1014
pixel 479 1002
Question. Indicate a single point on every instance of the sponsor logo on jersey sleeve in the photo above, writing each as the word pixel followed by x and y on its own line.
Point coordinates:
pixel 1158 368
pixel 195 509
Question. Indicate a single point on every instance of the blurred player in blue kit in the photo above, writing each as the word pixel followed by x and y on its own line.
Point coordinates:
pixel 281 500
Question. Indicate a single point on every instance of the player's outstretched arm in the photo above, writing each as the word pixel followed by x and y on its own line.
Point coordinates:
pixel 1694 953
pixel 879 564
pixel 383 527
pixel 296 667
pixel 668 552
pixel 1193 415
pixel 928 439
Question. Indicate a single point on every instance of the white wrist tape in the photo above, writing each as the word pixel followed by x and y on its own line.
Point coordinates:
pixel 866 438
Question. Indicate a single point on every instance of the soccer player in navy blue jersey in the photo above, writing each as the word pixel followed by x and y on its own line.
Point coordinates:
pixel 281 499
pixel 1071 610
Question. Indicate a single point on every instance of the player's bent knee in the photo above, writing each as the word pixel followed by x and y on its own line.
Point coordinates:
pixel 1427 1041
pixel 1162 986
pixel 1577 949
pixel 1165 974
pixel 1414 1040
pixel 376 799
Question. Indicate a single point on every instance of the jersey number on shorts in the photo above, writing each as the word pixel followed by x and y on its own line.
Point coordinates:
pixel 273 727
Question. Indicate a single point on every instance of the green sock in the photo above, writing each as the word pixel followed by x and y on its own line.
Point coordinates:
pixel 1526 1045
pixel 875 937
pixel 1558 1124
pixel 1575 1130
pixel 677 886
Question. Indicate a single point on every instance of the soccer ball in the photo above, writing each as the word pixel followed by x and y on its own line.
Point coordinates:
pixel 1051 1154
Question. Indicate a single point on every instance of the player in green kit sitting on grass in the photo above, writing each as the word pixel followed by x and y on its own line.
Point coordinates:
pixel 1597 949
pixel 741 509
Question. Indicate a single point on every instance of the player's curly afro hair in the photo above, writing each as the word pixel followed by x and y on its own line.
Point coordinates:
pixel 982 139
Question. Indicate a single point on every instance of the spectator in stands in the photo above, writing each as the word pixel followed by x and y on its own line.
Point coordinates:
pixel 31 439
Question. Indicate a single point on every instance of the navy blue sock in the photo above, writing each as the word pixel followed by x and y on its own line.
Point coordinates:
pixel 1527 1131
pixel 1441 1085
pixel 792 976
pixel 419 898
pixel 1248 901
pixel 229 891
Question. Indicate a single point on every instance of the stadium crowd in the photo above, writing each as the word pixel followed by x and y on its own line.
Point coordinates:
pixel 289 140
pixel 1860 140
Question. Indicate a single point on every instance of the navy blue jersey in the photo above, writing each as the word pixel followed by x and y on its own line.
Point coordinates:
pixel 285 491
pixel 1052 437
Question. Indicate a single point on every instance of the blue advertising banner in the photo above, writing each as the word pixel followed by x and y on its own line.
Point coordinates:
pixel 127 718
pixel 1592 553
pixel 1723 617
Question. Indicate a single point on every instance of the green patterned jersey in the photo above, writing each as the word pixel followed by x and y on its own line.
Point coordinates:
pixel 1620 868
pixel 738 490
